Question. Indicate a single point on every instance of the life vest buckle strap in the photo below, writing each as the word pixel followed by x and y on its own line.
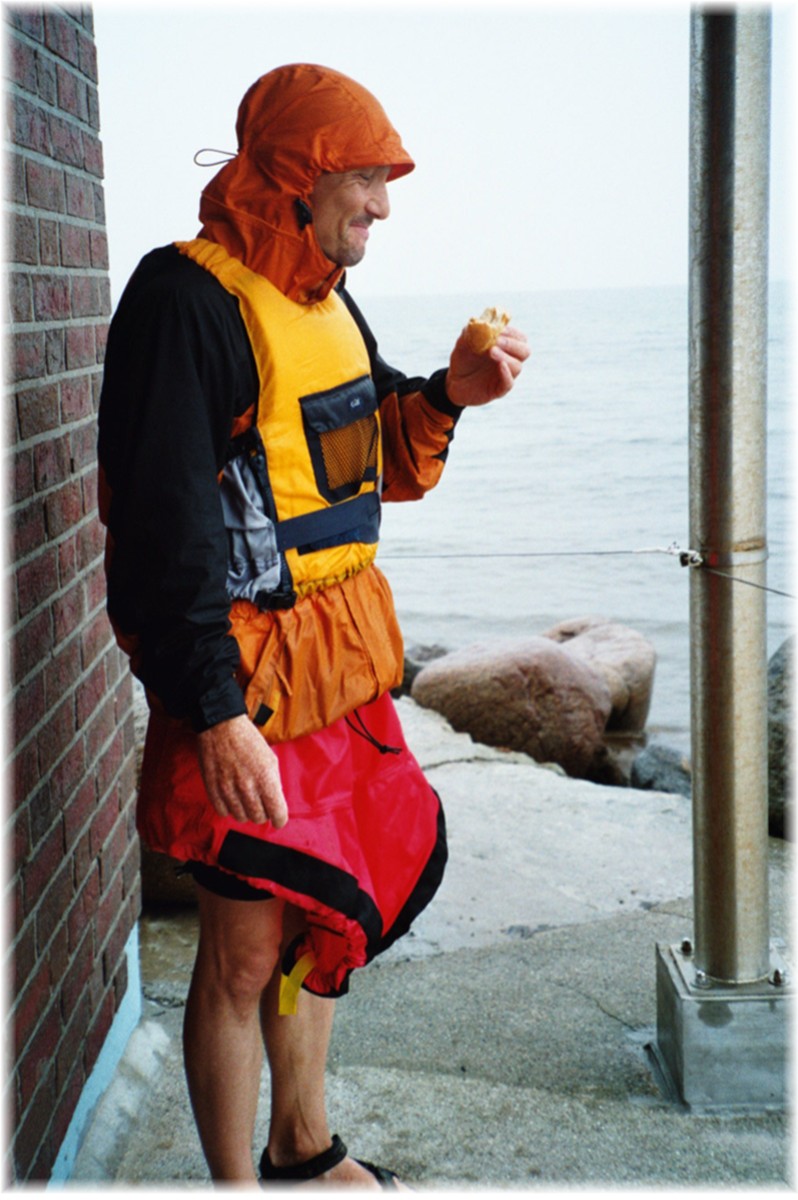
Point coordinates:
pixel 336 521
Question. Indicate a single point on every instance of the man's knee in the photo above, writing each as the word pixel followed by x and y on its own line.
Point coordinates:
pixel 239 948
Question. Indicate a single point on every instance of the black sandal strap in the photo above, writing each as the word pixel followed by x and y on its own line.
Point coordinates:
pixel 329 1158
pixel 386 1179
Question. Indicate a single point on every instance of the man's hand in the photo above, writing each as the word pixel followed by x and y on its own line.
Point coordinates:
pixel 241 773
pixel 474 379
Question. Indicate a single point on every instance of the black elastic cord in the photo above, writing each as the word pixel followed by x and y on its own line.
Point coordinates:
pixel 366 733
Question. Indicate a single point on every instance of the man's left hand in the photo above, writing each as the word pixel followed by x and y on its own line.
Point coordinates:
pixel 474 379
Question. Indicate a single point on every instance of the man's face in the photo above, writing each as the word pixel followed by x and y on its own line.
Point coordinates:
pixel 344 206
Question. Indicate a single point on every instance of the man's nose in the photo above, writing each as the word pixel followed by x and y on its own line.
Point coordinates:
pixel 378 205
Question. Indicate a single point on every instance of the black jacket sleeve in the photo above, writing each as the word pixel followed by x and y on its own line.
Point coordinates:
pixel 178 369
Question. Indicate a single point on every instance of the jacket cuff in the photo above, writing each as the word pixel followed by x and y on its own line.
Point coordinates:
pixel 219 704
pixel 434 392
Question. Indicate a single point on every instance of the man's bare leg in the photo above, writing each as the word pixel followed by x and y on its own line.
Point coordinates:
pixel 296 1047
pixel 238 952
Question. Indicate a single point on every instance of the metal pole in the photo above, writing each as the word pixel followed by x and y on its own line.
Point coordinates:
pixel 729 150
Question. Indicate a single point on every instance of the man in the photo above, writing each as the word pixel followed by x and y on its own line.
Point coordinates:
pixel 248 432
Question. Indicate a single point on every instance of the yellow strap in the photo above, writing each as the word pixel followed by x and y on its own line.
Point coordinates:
pixel 290 984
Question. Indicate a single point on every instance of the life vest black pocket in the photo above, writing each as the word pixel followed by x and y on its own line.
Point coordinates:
pixel 342 431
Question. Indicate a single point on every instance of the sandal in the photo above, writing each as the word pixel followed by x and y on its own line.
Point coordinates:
pixel 313 1167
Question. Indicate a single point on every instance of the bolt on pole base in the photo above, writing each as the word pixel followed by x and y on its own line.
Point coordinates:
pixel 721 1048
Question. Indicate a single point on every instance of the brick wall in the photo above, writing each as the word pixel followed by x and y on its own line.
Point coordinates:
pixel 74 875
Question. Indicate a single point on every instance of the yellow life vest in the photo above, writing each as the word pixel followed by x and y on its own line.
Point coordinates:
pixel 318 456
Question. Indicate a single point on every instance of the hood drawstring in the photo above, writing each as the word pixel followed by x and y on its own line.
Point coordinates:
pixel 227 156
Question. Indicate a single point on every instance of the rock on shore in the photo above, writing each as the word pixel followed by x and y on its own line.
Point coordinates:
pixel 556 696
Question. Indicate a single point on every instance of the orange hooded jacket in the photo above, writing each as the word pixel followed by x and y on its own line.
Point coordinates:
pixel 364 847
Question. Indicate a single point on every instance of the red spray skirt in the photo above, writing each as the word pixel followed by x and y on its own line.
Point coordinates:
pixel 363 851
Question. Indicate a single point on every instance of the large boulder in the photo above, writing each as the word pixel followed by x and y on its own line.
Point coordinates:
pixel 780 736
pixel 577 695
pixel 531 695
pixel 625 660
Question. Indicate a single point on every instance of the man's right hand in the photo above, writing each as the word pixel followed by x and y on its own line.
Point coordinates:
pixel 241 773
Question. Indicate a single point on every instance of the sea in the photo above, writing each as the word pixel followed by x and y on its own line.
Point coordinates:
pixel 562 499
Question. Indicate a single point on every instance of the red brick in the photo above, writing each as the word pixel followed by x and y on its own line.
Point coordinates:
pixel 27 20
pixel 55 351
pixel 81 916
pixel 61 673
pixel 69 1096
pixel 36 1061
pixel 86 296
pixel 80 347
pixel 20 296
pixel 131 868
pixel 72 93
pixel 69 610
pixel 45 817
pixel 70 1052
pixel 45 67
pixel 23 773
pixel 64 508
pixel 75 398
pixel 31 1004
pixel 101 338
pixel 113 854
pixel 56 735
pixel 51 299
pixel 37 580
pixel 29 355
pixel 96 588
pixel 22 65
pixel 28 708
pixel 24 955
pixel 45 186
pixel 97 637
pixel 24 245
pixel 17 193
pixel 30 645
pixel 27 530
pixel 66 141
pixel 87 57
pixel 58 955
pixel 49 243
pixel 78 809
pixel 108 916
pixel 99 249
pixel 51 459
pixel 33 1153
pixel 61 36
pixel 21 476
pixel 90 693
pixel 67 561
pixel 55 902
pixel 75 245
pixel 93 155
pixel 98 1032
pixel 30 127
pixel 83 450
pixel 38 410
pixel 91 546
pixel 78 975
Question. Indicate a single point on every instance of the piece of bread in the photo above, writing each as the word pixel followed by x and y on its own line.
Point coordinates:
pixel 484 331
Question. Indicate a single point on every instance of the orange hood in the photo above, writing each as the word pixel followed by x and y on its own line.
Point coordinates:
pixel 294 124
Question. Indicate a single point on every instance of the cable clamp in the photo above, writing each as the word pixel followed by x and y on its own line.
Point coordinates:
pixel 687 558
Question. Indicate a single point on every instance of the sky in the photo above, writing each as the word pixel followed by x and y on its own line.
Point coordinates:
pixel 551 143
